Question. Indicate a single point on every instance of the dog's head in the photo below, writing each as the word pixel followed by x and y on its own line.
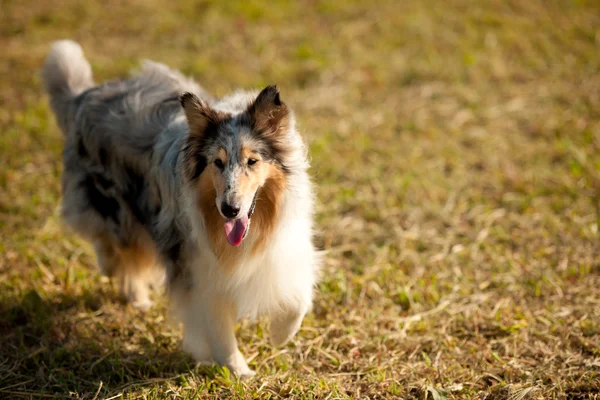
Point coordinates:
pixel 233 157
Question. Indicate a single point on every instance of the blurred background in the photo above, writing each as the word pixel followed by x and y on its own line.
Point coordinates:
pixel 456 150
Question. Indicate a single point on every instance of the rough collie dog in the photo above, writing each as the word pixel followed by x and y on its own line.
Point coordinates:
pixel 160 176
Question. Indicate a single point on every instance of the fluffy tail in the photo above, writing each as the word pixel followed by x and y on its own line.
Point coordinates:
pixel 66 73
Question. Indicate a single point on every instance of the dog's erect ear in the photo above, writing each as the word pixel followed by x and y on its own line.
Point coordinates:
pixel 268 113
pixel 198 113
pixel 199 116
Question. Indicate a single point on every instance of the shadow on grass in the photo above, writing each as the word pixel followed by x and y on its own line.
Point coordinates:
pixel 82 346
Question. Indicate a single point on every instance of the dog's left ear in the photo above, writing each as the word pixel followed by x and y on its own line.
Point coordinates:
pixel 268 113
pixel 198 113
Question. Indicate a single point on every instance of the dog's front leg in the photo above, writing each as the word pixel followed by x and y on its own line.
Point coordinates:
pixel 219 320
pixel 285 324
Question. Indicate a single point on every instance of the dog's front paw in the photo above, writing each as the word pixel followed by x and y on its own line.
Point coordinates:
pixel 283 329
pixel 238 366
pixel 280 337
pixel 143 304
pixel 198 349
pixel 136 292
pixel 243 373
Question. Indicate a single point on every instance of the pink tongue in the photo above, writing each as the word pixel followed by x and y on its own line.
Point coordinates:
pixel 235 229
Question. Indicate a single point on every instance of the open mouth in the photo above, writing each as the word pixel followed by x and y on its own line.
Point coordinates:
pixel 236 230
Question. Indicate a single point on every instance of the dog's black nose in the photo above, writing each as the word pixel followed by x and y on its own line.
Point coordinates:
pixel 229 211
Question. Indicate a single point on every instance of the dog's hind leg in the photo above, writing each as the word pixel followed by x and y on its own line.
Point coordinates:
pixel 134 267
pixel 107 257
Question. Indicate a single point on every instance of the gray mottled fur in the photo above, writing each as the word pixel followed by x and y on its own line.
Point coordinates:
pixel 123 141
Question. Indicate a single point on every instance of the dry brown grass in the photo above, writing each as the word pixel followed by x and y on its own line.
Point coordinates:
pixel 456 147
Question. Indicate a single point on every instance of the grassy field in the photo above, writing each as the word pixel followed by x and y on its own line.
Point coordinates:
pixel 456 150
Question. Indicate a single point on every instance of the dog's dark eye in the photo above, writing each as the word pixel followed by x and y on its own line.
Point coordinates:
pixel 252 161
pixel 219 163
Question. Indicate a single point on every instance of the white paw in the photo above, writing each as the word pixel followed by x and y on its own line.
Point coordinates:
pixel 238 366
pixel 199 352
pixel 144 304
pixel 243 374
pixel 279 338
pixel 137 293
pixel 282 332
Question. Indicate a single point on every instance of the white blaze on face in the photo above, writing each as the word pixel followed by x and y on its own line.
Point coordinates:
pixel 235 229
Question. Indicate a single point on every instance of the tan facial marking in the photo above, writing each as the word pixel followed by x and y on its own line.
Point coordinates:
pixel 222 155
pixel 247 153
pixel 253 176
pixel 218 183
pixel 268 206
pixel 216 174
